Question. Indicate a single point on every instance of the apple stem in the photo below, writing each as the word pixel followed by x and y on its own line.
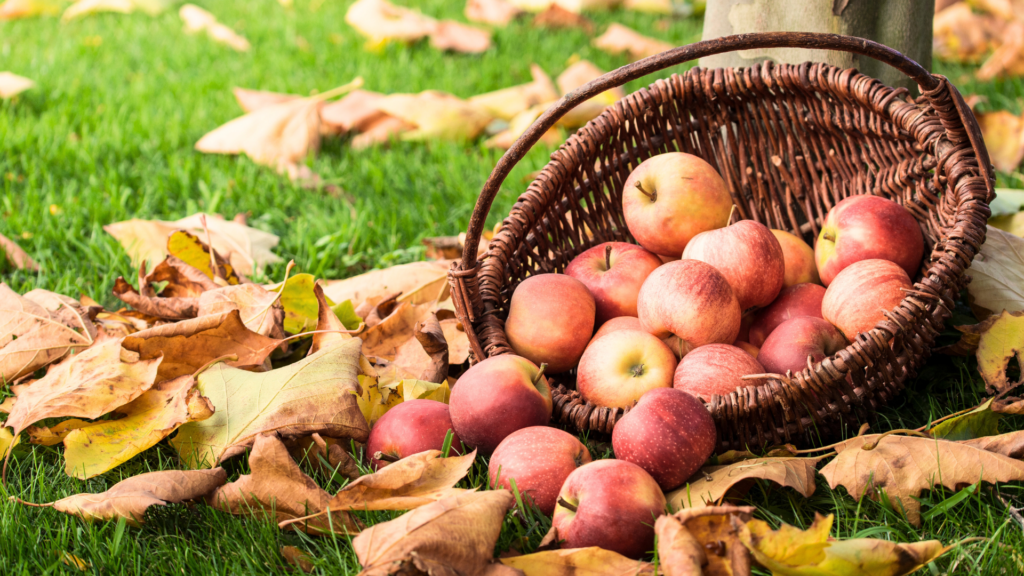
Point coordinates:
pixel 638 370
pixel 562 502
pixel 608 256
pixel 731 212
pixel 652 195
pixel 830 236
pixel 540 373
pixel 384 457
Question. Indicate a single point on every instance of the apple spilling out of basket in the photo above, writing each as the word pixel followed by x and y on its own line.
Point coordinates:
pixel 684 315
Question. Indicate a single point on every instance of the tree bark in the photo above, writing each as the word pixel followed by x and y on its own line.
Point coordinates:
pixel 905 25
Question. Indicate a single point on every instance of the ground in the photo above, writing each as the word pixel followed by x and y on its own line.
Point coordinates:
pixel 108 136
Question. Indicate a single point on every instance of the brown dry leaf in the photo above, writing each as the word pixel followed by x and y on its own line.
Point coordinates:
pixel 381 131
pixel 326 320
pixel 997 275
pixel 148 302
pixel 703 541
pixel 82 8
pixel 189 345
pixel 411 482
pixel 790 551
pixel 618 39
pixel 356 111
pixel 583 72
pixel 277 487
pixel 903 466
pixel 1010 444
pixel 37 329
pixel 395 339
pixel 431 339
pixel 1001 340
pixel 495 12
pixel 315 394
pixel 555 16
pixel 129 499
pixel 198 20
pixel 252 100
pixel 458 37
pixel 260 309
pixel 404 278
pixel 961 35
pixel 452 536
pixel 713 483
pixel 507 103
pixel 1004 138
pixel 53 435
pixel 194 252
pixel 10 251
pixel 553 137
pixel 326 454
pixel 298 558
pixel 16 9
pixel 87 385
pixel 380 21
pixel 1008 58
pixel 591 561
pixel 436 115
pixel 92 450
pixel 179 279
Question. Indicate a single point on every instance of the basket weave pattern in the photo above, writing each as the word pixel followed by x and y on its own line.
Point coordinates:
pixel 790 142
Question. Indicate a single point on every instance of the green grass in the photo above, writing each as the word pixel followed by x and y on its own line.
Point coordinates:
pixel 108 136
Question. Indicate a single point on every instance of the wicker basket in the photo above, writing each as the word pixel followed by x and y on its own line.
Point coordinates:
pixel 790 142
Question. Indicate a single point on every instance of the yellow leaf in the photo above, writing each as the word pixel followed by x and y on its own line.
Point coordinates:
pixel 702 541
pixel 192 251
pixel 714 482
pixel 74 562
pixel 7 440
pixel 300 306
pixel 961 35
pixel 420 390
pixel 1004 138
pixel 591 561
pixel 583 72
pixel 436 115
pixel 1001 340
pixel 997 274
pixel 509 102
pixel 375 400
pixel 53 435
pixel 790 551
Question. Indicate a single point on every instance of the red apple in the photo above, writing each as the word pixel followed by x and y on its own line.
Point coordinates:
pixel 409 428
pixel 620 323
pixel 550 320
pixel 669 433
pixel 858 295
pixel 800 300
pixel 539 459
pixel 747 347
pixel 613 272
pixel 799 257
pixel 796 339
pixel 616 370
pixel 748 255
pixel 868 228
pixel 670 198
pixel 691 300
pixel 496 397
pixel 611 504
pixel 716 369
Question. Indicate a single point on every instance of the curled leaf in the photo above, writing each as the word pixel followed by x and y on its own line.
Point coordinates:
pixel 381 21
pixel 252 100
pixel 713 483
pixel 436 115
pixel 509 102
pixel 703 541
pixel 356 111
pixel 260 309
pixel 997 274
pixel 405 278
pixel 457 37
pixel 1010 444
pixel 37 329
pixel 10 251
pixel 618 39
pixel 496 12
pixel 961 35
pixel 591 561
pixel 198 20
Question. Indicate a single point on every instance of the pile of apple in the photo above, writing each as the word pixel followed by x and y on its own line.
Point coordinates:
pixel 742 300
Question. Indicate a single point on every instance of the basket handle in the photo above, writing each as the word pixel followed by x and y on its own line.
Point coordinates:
pixel 640 68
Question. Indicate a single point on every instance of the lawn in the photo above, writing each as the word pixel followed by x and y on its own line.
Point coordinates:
pixel 108 136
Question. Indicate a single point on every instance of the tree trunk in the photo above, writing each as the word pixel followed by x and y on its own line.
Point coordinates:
pixel 905 25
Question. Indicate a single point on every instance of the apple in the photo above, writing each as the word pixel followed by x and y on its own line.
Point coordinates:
pixel 747 347
pixel 796 339
pixel 748 255
pixel 715 369
pixel 611 504
pixel 670 198
pixel 691 300
pixel 496 397
pixel 539 459
pixel 620 323
pixel 799 300
pixel 617 369
pixel 868 228
pixel 669 433
pixel 411 427
pixel 855 300
pixel 550 320
pixel 613 272
pixel 799 257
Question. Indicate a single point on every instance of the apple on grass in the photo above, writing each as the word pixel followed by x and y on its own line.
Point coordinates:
pixel 670 434
pixel 613 272
pixel 496 397
pixel 617 369
pixel 716 369
pixel 550 320
pixel 691 300
pixel 411 427
pixel 792 342
pixel 868 228
pixel 611 504
pixel 799 300
pixel 748 255
pixel 857 298
pixel 799 257
pixel 539 459
pixel 670 198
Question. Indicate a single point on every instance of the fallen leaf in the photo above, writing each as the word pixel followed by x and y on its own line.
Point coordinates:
pixel 327 454
pixel 380 21
pixel 583 72
pixel 713 483
pixel 298 558
pixel 129 499
pixel 509 102
pixel 702 541
pixel 189 345
pixel 395 340
pixel 1008 57
pixel 458 37
pixel 961 35
pixel 179 279
pixel 15 9
pixel 618 39
pixel 436 115
pixel 53 435
pixel 89 7
pixel 496 12
pixel 405 278
pixel 790 551
pixel 146 301
pixel 660 7
pixel 523 121
pixel 301 311
pixel 10 251
pixel 997 275
pixel 7 440
pixel 277 488
pixel 903 466
pixel 1004 138
pixel 555 16
pixel 376 398
pixel 982 421
pixel 260 310
pixel 197 254
pixel 86 385
pixel 381 131
pixel 431 339
pixel 315 394
pixel 413 481
pixel 252 100
pixel 356 111
pixel 591 561
pixel 198 20
pixel 329 328
pixel 455 535
pixel 92 450
pixel 1010 444
pixel 424 390
pixel 1001 340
